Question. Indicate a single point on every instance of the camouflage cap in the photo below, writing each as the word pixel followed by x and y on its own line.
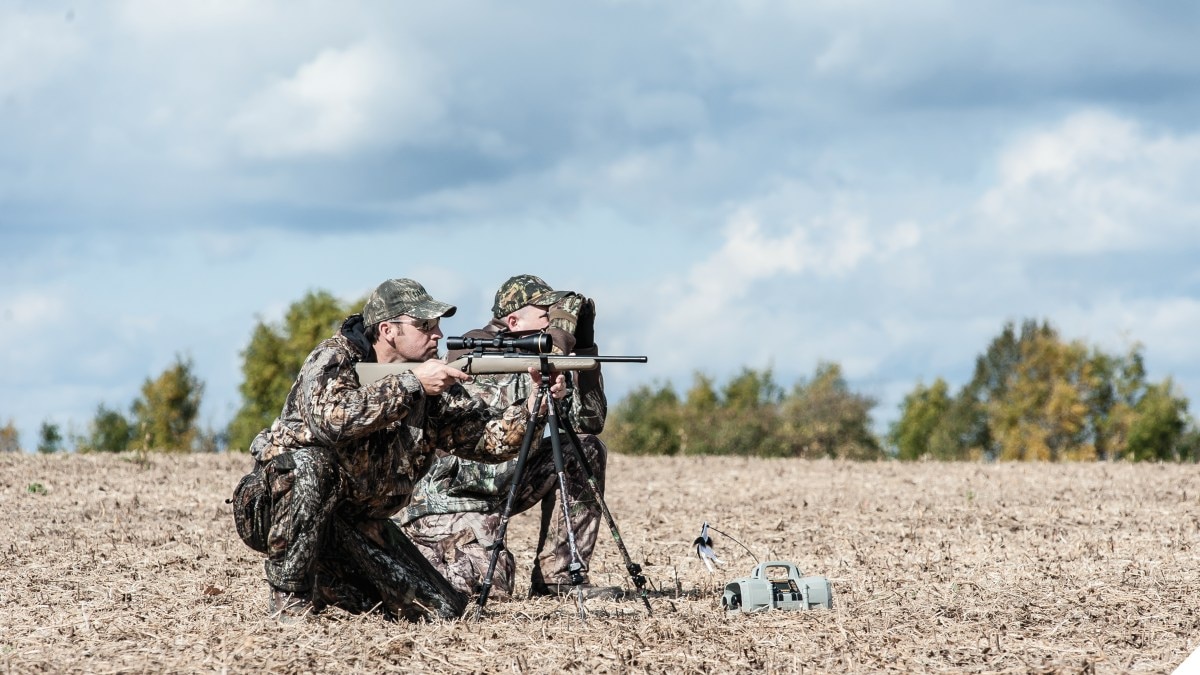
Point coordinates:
pixel 403 296
pixel 524 289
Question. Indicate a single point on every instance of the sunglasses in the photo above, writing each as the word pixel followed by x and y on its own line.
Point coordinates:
pixel 425 325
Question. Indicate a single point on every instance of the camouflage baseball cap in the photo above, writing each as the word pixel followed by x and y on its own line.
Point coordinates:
pixel 524 289
pixel 403 296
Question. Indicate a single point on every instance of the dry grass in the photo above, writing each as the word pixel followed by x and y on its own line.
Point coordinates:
pixel 115 565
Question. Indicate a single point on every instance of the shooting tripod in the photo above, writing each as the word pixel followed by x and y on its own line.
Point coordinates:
pixel 553 419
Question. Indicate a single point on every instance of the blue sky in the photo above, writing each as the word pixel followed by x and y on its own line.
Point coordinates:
pixel 737 184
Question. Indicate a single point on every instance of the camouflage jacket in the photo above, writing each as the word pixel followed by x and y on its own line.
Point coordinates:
pixel 455 484
pixel 384 433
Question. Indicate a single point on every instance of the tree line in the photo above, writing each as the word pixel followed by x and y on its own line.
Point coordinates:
pixel 162 417
pixel 1037 396
pixel 750 415
pixel 165 416
pixel 1033 396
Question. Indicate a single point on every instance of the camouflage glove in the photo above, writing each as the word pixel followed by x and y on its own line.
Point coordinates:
pixel 564 315
pixel 576 315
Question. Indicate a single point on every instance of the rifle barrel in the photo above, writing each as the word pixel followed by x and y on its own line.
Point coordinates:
pixel 494 364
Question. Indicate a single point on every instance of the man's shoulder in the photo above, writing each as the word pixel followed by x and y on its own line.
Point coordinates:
pixel 332 352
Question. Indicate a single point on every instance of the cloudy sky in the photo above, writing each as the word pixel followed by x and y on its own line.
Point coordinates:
pixel 750 183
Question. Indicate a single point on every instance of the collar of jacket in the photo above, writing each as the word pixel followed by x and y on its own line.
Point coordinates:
pixel 354 329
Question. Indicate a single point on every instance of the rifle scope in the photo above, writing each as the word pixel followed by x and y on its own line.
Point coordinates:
pixel 539 343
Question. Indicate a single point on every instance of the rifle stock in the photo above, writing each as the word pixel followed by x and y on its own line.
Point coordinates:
pixel 493 364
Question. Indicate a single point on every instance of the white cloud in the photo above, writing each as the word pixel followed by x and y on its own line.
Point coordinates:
pixel 31 309
pixel 768 247
pixel 1095 182
pixel 1166 324
pixel 343 100
pixel 761 242
pixel 28 335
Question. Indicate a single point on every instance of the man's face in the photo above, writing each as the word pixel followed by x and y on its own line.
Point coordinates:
pixel 529 318
pixel 407 339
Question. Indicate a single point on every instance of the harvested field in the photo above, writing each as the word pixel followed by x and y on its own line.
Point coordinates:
pixel 115 565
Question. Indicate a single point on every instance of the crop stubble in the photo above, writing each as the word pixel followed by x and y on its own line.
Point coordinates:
pixel 111 564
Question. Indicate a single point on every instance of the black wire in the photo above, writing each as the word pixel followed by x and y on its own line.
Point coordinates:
pixel 735 541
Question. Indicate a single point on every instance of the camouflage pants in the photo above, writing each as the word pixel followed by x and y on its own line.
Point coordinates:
pixel 294 509
pixel 459 544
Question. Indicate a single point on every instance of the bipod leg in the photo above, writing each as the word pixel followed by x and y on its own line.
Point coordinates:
pixel 634 569
pixel 543 393
pixel 575 568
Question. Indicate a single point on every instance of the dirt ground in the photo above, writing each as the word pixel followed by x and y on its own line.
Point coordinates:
pixel 111 564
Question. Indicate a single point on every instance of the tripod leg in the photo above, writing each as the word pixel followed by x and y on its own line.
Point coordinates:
pixel 576 566
pixel 634 569
pixel 543 394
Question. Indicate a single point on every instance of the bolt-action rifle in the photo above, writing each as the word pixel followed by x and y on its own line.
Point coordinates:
pixel 498 355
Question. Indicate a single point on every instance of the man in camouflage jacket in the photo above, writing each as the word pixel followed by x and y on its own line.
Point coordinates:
pixel 456 507
pixel 341 459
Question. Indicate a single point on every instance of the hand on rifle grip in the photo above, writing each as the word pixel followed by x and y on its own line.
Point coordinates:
pixel 436 377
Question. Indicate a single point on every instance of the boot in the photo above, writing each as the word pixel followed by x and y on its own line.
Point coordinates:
pixel 289 608
pixel 590 592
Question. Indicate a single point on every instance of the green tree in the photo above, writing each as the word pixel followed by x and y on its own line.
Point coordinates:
pixel 963 434
pixel 823 418
pixel 752 390
pixel 10 438
pixel 1117 382
pixel 696 416
pixel 50 438
pixel 165 414
pixel 702 398
pixel 110 431
pixel 747 420
pixel 922 412
pixel 646 422
pixel 272 360
pixel 1159 426
pixel 749 417
pixel 1189 442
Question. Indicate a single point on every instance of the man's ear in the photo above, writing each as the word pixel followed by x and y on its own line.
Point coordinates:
pixel 511 321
